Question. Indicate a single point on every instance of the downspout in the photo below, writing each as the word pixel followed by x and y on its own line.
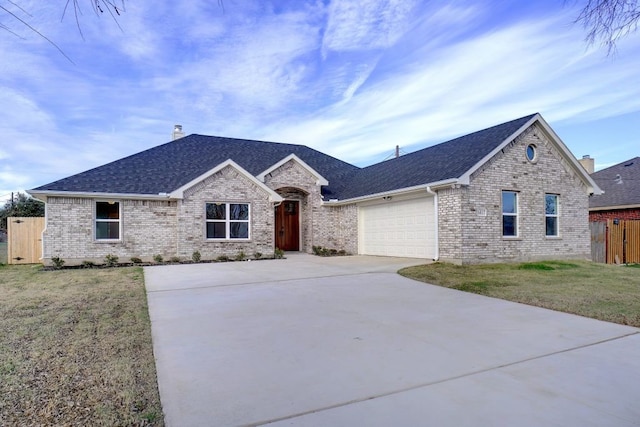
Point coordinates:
pixel 435 208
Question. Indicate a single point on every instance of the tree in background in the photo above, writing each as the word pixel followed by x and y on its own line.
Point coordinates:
pixel 21 205
pixel 607 21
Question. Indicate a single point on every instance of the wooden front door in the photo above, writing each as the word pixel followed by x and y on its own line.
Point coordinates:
pixel 288 226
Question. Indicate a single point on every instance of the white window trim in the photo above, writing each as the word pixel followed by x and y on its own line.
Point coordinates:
pixel 516 215
pixel 227 223
pixel 96 220
pixel 556 216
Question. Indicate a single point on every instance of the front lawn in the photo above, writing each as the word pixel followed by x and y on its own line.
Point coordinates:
pixel 75 348
pixel 600 291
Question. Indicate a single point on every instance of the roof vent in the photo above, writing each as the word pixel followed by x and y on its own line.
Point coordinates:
pixel 177 132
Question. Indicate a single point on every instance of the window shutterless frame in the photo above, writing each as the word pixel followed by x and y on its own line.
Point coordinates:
pixel 551 215
pixel 509 213
pixel 107 223
pixel 227 221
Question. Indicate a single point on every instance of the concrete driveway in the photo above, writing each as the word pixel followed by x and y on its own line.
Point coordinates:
pixel 310 341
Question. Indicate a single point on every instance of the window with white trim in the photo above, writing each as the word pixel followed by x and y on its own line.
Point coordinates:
pixel 551 215
pixel 227 221
pixel 107 220
pixel 509 214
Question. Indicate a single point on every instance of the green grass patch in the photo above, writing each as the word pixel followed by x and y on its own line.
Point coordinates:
pixel 600 291
pixel 75 348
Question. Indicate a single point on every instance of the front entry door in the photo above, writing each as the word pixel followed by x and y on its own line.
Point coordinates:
pixel 288 226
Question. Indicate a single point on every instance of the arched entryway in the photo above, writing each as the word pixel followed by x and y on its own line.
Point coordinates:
pixel 289 219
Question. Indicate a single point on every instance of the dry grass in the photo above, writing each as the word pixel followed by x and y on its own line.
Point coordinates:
pixel 600 291
pixel 75 348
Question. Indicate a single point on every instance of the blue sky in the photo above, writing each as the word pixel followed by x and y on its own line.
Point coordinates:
pixel 349 78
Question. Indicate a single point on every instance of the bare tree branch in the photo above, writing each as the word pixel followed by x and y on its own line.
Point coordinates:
pixel 607 21
pixel 36 31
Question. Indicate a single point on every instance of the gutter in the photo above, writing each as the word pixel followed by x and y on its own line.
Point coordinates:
pixel 43 194
pixel 398 192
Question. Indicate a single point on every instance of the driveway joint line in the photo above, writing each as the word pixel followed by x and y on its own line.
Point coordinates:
pixel 265 282
pixel 444 380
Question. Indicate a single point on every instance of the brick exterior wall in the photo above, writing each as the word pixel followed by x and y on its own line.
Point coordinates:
pixel 177 228
pixel 622 214
pixel 227 185
pixel 148 228
pixel 476 235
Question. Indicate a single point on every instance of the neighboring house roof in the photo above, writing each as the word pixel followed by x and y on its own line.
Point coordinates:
pixel 621 185
pixel 168 168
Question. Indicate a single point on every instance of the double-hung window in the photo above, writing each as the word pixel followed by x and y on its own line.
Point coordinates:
pixel 227 221
pixel 509 214
pixel 551 215
pixel 107 221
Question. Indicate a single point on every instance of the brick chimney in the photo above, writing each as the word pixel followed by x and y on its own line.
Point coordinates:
pixel 588 163
pixel 177 132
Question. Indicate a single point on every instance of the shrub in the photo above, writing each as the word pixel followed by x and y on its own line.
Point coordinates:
pixel 241 256
pixel 278 253
pixel 174 259
pixel 196 257
pixel 257 255
pixel 135 260
pixel 158 258
pixel 88 264
pixel 317 250
pixel 111 260
pixel 57 262
pixel 223 258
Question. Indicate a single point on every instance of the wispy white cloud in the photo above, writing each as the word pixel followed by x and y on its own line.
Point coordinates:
pixel 366 24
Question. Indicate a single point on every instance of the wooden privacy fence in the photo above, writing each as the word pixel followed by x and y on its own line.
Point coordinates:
pixel 615 242
pixel 24 239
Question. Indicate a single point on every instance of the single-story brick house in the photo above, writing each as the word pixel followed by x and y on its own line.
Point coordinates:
pixel 621 198
pixel 507 193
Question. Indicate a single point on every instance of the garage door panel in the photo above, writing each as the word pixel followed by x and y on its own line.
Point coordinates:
pixel 399 228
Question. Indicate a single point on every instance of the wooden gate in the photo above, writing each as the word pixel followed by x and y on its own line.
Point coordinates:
pixel 623 242
pixel 24 240
pixel 598 241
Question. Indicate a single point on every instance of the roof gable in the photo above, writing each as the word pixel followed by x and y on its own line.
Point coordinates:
pixel 621 185
pixel 179 193
pixel 320 180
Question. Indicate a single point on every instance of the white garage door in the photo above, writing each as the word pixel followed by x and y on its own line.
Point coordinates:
pixel 404 228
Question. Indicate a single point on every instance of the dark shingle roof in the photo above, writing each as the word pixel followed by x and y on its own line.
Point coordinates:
pixel 167 167
pixel 447 160
pixel 621 185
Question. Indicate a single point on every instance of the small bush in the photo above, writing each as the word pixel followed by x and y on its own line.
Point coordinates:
pixel 196 257
pixel 57 262
pixel 278 253
pixel 223 258
pixel 111 260
pixel 241 256
pixel 158 258
pixel 88 264
pixel 317 250
pixel 257 255
pixel 342 252
pixel 135 260
pixel 174 259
